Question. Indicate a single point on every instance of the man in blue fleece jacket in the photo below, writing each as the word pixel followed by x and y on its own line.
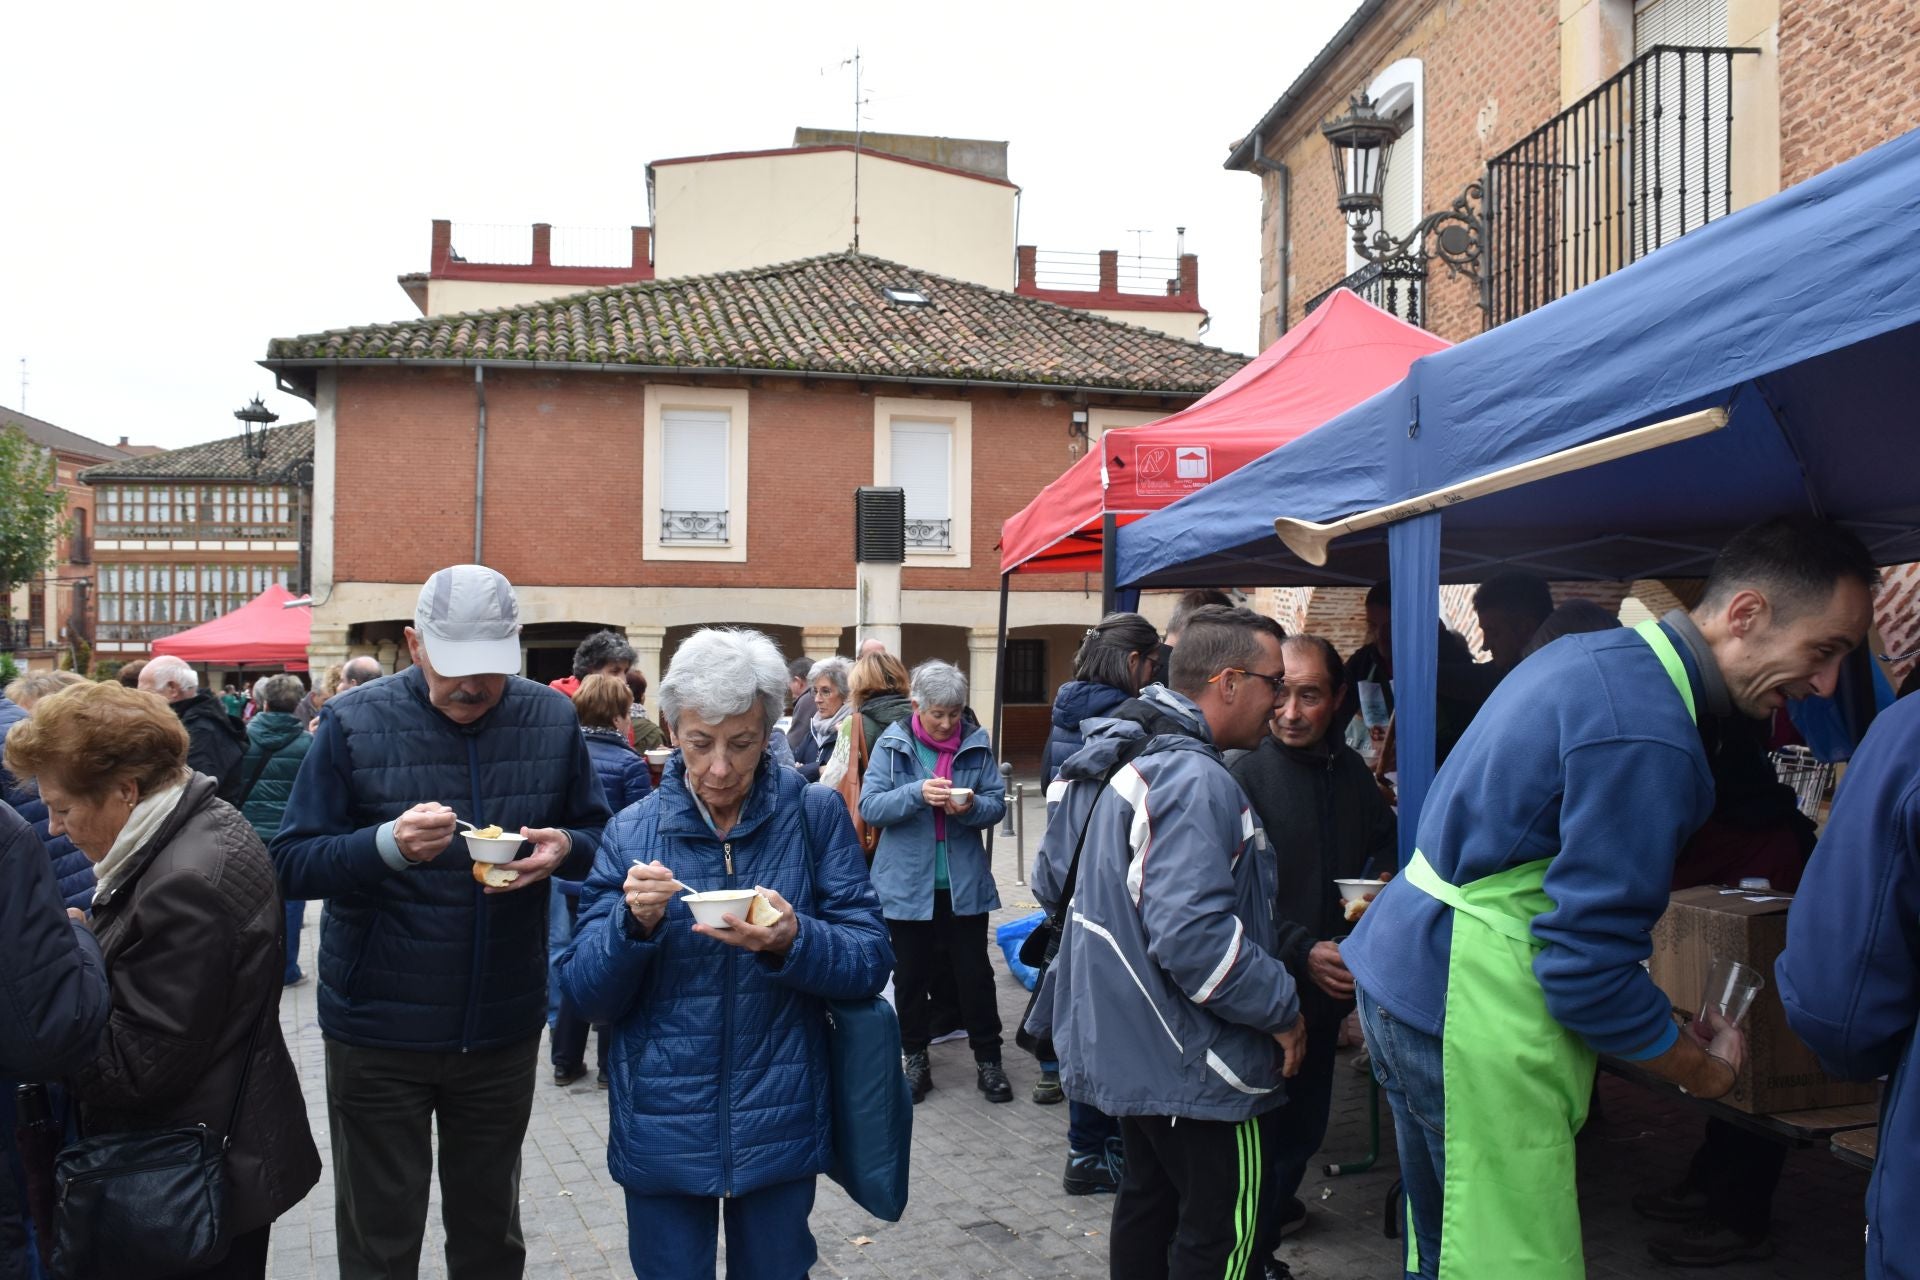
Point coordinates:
pixel 1849 978
pixel 1508 953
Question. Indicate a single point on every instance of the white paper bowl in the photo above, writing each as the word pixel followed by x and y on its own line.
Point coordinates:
pixel 708 907
pixel 962 794
pixel 1357 890
pixel 502 848
pixel 659 755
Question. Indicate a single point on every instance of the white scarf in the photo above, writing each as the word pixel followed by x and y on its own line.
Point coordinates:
pixel 142 823
pixel 824 727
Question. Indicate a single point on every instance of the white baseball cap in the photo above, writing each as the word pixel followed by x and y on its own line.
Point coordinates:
pixel 469 620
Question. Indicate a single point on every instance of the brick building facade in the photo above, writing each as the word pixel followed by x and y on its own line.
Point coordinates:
pixel 49 619
pixel 807 373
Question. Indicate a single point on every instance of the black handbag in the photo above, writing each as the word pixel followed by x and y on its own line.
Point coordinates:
pixel 145 1206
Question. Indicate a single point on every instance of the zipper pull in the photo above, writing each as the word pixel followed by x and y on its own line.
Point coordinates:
pixel 726 847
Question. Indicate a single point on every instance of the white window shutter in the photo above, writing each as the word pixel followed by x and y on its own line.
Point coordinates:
pixel 693 459
pixel 923 466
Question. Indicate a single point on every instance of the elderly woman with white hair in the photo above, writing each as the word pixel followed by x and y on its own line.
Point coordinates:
pixel 932 788
pixel 719 1076
pixel 827 681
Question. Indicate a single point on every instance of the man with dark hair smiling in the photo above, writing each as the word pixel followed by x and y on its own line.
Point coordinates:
pixel 1326 819
pixel 1508 952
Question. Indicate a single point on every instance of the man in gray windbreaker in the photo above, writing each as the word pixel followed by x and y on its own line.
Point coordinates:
pixel 1165 1002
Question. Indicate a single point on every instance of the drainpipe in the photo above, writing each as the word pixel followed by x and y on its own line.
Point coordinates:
pixel 1283 192
pixel 479 461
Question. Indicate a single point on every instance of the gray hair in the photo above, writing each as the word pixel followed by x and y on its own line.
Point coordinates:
pixel 721 672
pixel 834 669
pixel 168 670
pixel 282 692
pixel 260 691
pixel 35 685
pixel 938 684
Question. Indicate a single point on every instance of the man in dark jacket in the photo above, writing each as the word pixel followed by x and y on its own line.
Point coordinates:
pixel 216 741
pixel 277 741
pixel 433 989
pixel 53 1005
pixel 1325 818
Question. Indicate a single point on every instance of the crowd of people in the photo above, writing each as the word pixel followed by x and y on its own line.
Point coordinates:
pixel 1198 962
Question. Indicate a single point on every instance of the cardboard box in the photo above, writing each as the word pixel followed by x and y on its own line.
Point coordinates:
pixel 1710 923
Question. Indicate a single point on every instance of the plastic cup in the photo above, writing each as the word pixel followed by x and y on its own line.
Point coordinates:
pixel 1731 987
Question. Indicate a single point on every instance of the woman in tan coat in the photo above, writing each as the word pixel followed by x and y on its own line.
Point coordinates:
pixel 188 918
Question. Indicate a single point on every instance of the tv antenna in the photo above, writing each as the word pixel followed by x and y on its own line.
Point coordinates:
pixel 858 102
pixel 23 384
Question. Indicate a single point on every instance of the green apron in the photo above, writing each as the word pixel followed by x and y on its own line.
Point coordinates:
pixel 1517 1082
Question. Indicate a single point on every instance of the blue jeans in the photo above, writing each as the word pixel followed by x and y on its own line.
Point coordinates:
pixel 296 914
pixel 1408 1064
pixel 559 935
pixel 675 1237
pixel 1088 1127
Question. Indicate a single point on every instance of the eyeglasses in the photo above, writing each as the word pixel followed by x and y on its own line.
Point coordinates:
pixel 1277 683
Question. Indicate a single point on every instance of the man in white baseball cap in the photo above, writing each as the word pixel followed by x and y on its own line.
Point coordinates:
pixel 433 979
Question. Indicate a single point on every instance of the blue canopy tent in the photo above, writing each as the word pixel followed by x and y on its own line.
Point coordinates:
pixel 1800 315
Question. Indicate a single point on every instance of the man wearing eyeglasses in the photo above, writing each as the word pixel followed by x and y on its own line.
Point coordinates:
pixel 1316 800
pixel 1165 1002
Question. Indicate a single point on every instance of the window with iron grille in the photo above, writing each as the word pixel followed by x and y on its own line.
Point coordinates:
pixel 922 455
pixel 1026 671
pixel 694 489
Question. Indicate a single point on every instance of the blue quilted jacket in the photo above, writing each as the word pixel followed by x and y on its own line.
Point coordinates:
pixel 422 958
pixel 71 869
pixel 719 1056
pixel 623 776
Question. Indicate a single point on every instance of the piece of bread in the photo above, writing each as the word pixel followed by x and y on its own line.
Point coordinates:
pixel 1353 909
pixel 494 875
pixel 760 912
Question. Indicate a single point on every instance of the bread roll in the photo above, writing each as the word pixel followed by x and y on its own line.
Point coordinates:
pixel 494 875
pixel 761 912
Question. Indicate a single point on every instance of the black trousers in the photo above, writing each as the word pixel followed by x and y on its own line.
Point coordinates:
pixel 915 957
pixel 1739 1171
pixel 246 1259
pixel 1195 1201
pixel 382 1108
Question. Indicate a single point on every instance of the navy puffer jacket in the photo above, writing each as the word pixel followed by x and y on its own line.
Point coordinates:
pixel 420 957
pixel 1077 702
pixel 719 1056
pixel 72 869
pixel 623 776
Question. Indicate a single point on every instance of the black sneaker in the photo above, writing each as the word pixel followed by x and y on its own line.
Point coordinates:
pixel 1047 1091
pixel 1708 1244
pixel 1089 1173
pixel 1277 1270
pixel 600 1080
pixel 564 1076
pixel 1675 1204
pixel 919 1073
pixel 993 1082
pixel 1116 1157
pixel 1293 1216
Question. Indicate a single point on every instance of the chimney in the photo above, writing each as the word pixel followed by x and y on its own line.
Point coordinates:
pixel 1029 271
pixel 543 244
pixel 1190 275
pixel 642 247
pixel 123 442
pixel 1109 271
pixel 442 246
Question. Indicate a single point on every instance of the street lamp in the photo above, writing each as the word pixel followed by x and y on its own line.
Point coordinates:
pixel 1362 145
pixel 255 418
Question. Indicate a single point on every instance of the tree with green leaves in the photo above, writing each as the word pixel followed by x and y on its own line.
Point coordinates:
pixel 33 510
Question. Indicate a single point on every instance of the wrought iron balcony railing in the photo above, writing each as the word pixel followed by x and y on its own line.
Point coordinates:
pixel 1397 285
pixel 1640 161
pixel 693 526
pixel 929 535
pixel 15 634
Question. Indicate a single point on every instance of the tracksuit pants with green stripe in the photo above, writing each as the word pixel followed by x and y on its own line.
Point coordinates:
pixel 1194 1202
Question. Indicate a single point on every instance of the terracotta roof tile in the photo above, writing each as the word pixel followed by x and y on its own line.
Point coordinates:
pixel 821 315
pixel 287 446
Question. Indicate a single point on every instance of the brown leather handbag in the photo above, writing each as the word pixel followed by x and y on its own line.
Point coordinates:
pixel 850 784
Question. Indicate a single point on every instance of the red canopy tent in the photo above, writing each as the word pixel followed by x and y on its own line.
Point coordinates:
pixel 260 633
pixel 1342 353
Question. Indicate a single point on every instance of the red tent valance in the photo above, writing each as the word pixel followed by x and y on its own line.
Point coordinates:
pixel 260 633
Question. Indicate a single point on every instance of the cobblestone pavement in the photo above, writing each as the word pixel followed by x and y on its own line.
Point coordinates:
pixel 987 1199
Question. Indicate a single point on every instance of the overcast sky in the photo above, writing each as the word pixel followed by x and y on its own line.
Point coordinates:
pixel 185 183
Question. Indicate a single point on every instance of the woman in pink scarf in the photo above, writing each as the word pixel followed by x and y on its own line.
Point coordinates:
pixel 932 788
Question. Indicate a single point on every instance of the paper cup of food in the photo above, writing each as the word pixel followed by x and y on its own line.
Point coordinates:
pixel 708 907
pixel 1357 890
pixel 961 795
pixel 491 844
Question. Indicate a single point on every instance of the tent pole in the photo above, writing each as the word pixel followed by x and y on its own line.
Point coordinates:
pixel 1000 665
pixel 1109 560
